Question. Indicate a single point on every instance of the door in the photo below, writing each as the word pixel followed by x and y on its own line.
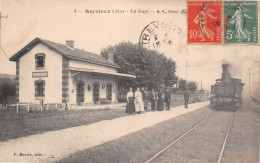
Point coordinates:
pixel 109 92
pixel 80 92
pixel 96 93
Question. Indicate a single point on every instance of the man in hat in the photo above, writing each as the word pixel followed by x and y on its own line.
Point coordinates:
pixel 186 98
pixel 167 99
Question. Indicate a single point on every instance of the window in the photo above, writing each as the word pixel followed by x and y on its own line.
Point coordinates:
pixel 40 61
pixel 39 88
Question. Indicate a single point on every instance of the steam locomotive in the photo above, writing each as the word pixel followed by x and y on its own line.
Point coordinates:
pixel 226 93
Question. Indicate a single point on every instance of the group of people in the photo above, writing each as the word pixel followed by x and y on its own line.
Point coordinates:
pixel 137 102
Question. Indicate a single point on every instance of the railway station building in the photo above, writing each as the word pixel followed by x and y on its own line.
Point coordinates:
pixel 60 73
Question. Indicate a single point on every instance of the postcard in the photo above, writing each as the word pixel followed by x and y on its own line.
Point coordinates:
pixel 129 81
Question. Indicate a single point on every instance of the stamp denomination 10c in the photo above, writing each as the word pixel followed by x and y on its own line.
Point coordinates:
pixel 204 22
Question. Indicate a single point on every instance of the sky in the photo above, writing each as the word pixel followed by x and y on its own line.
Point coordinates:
pixel 60 20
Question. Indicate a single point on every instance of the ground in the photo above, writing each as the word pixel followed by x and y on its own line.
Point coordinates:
pixel 202 145
pixel 139 146
pixel 243 143
pixel 14 125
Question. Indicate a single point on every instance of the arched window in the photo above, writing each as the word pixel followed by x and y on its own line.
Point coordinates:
pixel 80 92
pixel 40 61
pixel 39 88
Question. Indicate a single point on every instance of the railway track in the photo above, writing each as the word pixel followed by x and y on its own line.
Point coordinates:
pixel 225 141
pixel 171 145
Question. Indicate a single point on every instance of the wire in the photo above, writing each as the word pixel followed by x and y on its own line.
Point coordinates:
pixel 4 52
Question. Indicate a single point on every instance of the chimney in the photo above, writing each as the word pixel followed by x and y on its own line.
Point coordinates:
pixel 110 56
pixel 225 73
pixel 70 43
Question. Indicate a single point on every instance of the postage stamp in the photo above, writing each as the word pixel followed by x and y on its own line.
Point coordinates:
pixel 241 22
pixel 158 34
pixel 204 22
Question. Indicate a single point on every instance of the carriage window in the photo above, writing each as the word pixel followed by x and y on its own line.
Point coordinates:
pixel 39 61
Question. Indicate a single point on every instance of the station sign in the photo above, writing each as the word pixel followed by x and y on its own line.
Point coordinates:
pixel 39 74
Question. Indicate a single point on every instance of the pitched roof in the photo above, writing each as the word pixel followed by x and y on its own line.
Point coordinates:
pixel 67 52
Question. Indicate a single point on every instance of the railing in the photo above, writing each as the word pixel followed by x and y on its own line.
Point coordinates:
pixel 39 106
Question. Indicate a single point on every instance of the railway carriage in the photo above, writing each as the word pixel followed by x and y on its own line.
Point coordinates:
pixel 226 94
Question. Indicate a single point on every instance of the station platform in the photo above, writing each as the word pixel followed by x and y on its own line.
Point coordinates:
pixel 54 145
pixel 101 106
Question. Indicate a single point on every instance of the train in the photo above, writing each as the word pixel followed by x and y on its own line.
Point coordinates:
pixel 226 93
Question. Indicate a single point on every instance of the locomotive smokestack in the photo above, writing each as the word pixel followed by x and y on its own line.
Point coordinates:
pixel 225 73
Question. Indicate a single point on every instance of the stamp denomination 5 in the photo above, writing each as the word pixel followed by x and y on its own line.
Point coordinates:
pixel 241 22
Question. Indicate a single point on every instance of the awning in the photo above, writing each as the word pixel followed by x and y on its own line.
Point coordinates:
pixel 102 72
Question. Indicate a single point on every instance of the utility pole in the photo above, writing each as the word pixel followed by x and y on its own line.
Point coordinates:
pixel 258 80
pixel 186 69
pixel 249 81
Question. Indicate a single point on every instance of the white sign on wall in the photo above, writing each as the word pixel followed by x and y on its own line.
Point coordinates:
pixel 40 74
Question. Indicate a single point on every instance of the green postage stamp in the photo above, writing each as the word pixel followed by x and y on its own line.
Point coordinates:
pixel 241 22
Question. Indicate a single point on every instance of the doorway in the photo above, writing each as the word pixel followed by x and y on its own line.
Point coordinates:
pixel 80 92
pixel 96 86
pixel 109 92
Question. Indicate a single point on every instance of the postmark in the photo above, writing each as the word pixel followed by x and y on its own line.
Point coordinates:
pixel 241 22
pixel 158 34
pixel 204 22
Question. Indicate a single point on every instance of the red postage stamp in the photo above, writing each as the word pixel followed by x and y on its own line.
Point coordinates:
pixel 204 22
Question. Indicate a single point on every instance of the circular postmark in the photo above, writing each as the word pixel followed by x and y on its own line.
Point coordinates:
pixel 158 34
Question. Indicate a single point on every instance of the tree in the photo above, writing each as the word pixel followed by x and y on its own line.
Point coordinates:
pixel 182 84
pixel 7 88
pixel 152 69
pixel 171 79
pixel 192 86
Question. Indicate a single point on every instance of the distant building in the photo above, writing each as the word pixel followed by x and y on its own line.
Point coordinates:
pixel 59 73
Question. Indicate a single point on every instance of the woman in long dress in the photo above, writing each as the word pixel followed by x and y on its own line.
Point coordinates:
pixel 201 19
pixel 139 105
pixel 130 106
pixel 160 104
pixel 239 20
pixel 154 99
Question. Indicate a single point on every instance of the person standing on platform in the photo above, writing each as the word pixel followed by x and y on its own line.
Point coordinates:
pixel 154 98
pixel 160 105
pixel 167 98
pixel 145 97
pixel 186 98
pixel 130 105
pixel 139 105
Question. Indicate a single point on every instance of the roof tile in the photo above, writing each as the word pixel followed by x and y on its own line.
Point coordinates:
pixel 80 54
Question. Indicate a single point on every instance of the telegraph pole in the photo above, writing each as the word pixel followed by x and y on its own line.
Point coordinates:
pixel 249 81
pixel 186 69
pixel 258 80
